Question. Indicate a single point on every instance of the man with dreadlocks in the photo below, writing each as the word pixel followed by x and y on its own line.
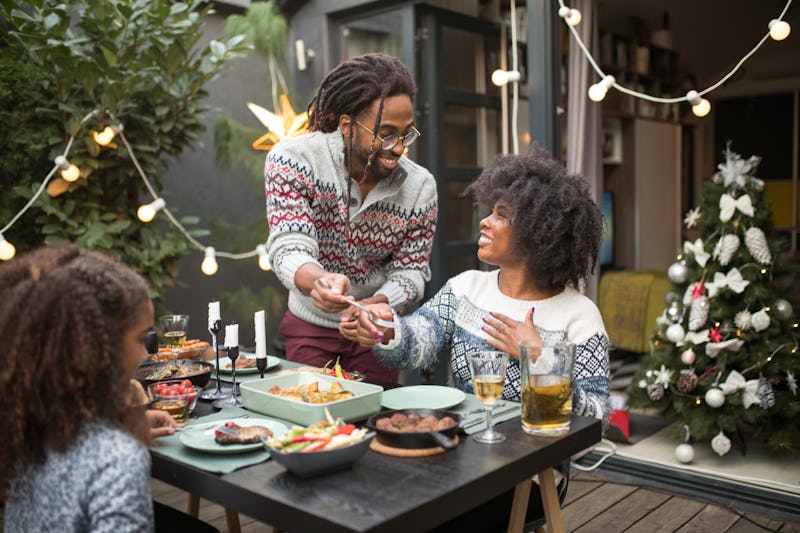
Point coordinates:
pixel 349 217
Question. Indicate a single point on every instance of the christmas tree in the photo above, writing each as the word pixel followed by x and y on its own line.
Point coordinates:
pixel 724 356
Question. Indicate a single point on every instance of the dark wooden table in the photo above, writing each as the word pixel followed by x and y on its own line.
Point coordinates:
pixel 384 493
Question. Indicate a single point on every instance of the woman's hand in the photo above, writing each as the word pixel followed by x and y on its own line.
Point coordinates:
pixel 348 324
pixel 366 332
pixel 161 423
pixel 506 333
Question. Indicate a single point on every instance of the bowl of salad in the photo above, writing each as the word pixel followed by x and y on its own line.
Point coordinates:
pixel 319 448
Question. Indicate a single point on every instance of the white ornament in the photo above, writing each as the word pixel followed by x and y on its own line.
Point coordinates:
pixel 688 357
pixel 675 333
pixel 726 247
pixel 642 383
pixel 736 383
pixel 684 453
pixel 678 272
pixel 743 320
pixel 698 313
pixel 784 308
pixel 760 320
pixel 756 243
pixel 721 444
pixel 692 217
pixel 697 250
pixel 715 398
pixel 687 296
pixel 663 376
pixel 674 312
pixel 792 382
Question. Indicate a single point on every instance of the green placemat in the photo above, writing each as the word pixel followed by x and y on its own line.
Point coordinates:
pixel 172 446
pixel 503 410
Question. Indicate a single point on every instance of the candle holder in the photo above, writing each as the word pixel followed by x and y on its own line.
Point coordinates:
pixel 235 399
pixel 218 392
pixel 261 365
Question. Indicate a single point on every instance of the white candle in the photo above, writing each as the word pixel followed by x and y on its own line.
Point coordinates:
pixel 213 314
pixel 261 335
pixel 231 335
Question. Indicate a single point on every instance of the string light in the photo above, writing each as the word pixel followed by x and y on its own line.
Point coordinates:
pixel 597 92
pixel 147 212
pixel 700 106
pixel 69 171
pixel 779 29
pixel 7 250
pixel 503 77
pixel 571 16
pixel 104 138
pixel 263 258
pixel 209 265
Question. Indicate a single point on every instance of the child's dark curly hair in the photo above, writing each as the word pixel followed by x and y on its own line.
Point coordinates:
pixel 557 225
pixel 62 315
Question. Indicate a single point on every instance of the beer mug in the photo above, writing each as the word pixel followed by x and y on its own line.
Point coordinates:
pixel 546 387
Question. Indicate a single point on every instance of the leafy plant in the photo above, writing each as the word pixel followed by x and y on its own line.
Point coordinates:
pixel 139 63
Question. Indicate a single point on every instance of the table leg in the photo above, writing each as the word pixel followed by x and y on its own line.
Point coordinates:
pixel 552 507
pixel 519 506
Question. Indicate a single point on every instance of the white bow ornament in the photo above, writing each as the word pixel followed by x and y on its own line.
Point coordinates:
pixel 733 280
pixel 713 348
pixel 696 337
pixel 736 383
pixel 727 206
pixel 696 249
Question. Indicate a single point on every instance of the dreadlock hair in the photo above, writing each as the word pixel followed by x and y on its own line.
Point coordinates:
pixel 62 311
pixel 557 227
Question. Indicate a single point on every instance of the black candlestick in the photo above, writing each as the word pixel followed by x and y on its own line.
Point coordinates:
pixel 261 364
pixel 218 392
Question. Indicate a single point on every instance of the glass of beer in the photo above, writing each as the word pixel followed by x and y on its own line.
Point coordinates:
pixel 546 387
pixel 488 377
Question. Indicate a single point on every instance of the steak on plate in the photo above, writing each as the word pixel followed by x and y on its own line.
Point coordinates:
pixel 243 434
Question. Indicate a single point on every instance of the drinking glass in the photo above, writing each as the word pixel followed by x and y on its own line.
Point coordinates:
pixel 546 387
pixel 173 329
pixel 488 377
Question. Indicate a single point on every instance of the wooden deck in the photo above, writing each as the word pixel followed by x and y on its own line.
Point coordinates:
pixel 593 505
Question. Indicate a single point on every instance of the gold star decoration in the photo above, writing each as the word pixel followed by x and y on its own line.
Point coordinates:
pixel 287 124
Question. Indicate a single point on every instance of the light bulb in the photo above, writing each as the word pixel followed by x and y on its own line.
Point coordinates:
pixel 779 29
pixel 502 77
pixel 571 16
pixel 598 90
pixel 263 258
pixel 7 250
pixel 68 171
pixel 147 212
pixel 105 137
pixel 700 106
pixel 209 265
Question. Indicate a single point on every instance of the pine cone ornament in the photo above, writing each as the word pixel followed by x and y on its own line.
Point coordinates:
pixel 655 391
pixel 698 314
pixel 743 320
pixel 756 243
pixel 725 248
pixel 760 320
pixel 687 381
pixel 765 393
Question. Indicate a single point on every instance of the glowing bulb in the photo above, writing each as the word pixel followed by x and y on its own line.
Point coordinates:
pixel 502 77
pixel 209 265
pixel 571 16
pixel 105 137
pixel 68 171
pixel 700 106
pixel 263 258
pixel 147 212
pixel 598 91
pixel 7 250
pixel 779 29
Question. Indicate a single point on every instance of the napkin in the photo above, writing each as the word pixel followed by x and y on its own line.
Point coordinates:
pixel 172 447
pixel 503 410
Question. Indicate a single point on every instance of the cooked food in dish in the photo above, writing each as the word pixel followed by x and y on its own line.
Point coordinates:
pixel 414 423
pixel 174 371
pixel 321 436
pixel 244 434
pixel 311 393
pixel 192 348
pixel 245 362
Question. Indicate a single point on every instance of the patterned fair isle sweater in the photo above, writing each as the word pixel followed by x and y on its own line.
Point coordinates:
pixel 455 316
pixel 391 232
pixel 101 484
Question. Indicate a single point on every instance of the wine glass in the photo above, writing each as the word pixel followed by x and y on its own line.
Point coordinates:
pixel 174 332
pixel 488 377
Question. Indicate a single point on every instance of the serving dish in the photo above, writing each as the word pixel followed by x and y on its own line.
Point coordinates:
pixel 366 399
pixel 198 372
pixel 416 440
pixel 323 462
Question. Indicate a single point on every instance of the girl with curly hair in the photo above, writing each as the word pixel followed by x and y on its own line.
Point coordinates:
pixel 543 232
pixel 73 324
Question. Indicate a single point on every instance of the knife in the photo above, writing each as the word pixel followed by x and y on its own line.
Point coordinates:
pixel 207 425
pixel 481 420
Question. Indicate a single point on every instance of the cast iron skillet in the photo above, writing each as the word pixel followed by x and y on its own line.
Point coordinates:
pixel 426 439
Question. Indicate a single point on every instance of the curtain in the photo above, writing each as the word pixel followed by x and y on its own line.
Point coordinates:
pixel 584 155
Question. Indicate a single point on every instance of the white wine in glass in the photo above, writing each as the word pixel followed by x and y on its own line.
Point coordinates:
pixel 174 331
pixel 488 378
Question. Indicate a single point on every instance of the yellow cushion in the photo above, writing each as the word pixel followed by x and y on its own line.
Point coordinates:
pixel 630 301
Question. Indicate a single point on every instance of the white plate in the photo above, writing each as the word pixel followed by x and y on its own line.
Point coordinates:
pixel 203 439
pixel 225 364
pixel 422 397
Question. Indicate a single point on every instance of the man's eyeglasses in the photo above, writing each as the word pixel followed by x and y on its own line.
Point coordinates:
pixel 390 141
